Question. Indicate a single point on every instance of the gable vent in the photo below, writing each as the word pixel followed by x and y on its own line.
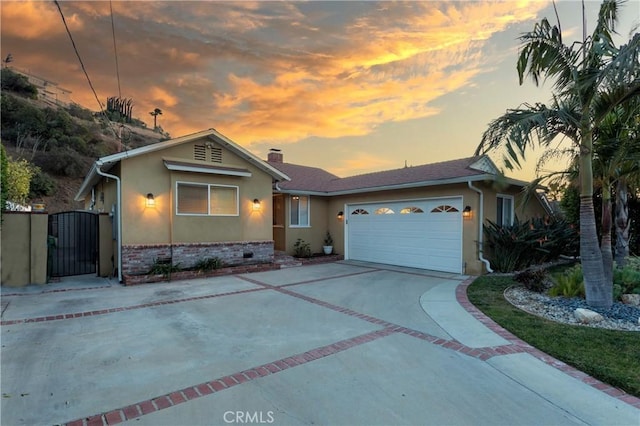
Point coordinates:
pixel 216 154
pixel 199 152
pixel 209 153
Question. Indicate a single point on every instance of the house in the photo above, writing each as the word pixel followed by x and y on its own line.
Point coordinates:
pixel 202 195
pixel 186 199
pixel 429 216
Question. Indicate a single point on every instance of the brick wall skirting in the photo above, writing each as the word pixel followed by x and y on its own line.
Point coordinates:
pixel 138 259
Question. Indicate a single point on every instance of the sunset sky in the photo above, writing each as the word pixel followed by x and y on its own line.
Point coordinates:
pixel 351 87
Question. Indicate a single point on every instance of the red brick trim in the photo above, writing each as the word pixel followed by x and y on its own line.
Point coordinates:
pixel 221 384
pixel 463 299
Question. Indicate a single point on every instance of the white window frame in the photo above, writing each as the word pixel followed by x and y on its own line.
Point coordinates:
pixel 308 224
pixel 209 186
pixel 512 215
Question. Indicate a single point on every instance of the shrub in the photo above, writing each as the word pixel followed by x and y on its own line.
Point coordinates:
pixel 63 162
pixel 164 267
pixel 208 264
pixel 625 281
pixel 301 248
pixel 78 111
pixel 530 242
pixel 42 185
pixel 569 283
pixel 533 279
pixel 18 83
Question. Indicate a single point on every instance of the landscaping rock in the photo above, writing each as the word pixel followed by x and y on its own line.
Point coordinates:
pixel 631 299
pixel 586 316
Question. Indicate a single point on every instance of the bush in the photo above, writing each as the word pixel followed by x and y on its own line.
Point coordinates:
pixel 569 284
pixel 208 264
pixel 625 281
pixel 42 185
pixel 63 162
pixel 534 241
pixel 18 83
pixel 163 267
pixel 78 111
pixel 301 248
pixel 533 279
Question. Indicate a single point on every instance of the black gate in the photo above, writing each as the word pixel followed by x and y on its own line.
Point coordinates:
pixel 73 243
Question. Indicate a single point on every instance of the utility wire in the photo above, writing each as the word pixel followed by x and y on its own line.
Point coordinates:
pixel 102 111
pixel 64 21
pixel 115 49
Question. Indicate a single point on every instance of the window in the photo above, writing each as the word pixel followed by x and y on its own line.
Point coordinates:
pixel 384 210
pixel 207 200
pixel 504 210
pixel 411 210
pixel 444 209
pixel 299 210
pixel 360 211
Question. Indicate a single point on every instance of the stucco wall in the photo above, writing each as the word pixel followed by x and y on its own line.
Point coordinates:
pixel 314 233
pixel 160 225
pixel 24 248
pixel 472 265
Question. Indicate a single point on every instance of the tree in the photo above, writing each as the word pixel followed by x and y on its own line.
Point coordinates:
pixel 591 78
pixel 616 158
pixel 156 112
pixel 19 174
pixel 4 179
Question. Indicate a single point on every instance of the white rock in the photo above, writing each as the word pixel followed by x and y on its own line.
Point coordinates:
pixel 631 299
pixel 586 316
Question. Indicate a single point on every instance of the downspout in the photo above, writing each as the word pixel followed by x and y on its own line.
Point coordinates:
pixel 118 214
pixel 480 227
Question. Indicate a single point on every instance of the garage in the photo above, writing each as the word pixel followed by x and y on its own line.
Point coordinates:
pixel 424 234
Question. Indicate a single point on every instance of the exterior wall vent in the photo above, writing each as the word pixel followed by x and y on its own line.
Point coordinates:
pixel 214 154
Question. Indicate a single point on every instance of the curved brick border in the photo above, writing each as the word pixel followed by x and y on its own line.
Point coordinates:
pixel 463 300
pixel 180 396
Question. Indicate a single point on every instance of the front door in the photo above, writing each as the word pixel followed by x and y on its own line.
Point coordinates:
pixel 279 235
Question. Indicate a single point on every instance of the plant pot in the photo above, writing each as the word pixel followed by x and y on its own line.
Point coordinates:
pixel 327 249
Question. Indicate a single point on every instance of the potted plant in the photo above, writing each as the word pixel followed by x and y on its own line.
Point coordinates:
pixel 328 243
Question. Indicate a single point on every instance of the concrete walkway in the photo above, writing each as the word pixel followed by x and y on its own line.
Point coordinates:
pixel 335 344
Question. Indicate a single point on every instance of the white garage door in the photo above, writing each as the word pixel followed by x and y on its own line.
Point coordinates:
pixel 423 234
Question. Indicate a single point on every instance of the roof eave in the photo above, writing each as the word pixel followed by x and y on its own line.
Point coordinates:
pixel 409 185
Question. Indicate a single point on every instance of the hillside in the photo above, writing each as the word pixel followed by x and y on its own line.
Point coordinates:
pixel 61 140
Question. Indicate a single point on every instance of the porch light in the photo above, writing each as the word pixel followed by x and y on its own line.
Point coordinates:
pixel 150 202
pixel 256 204
pixel 466 213
pixel 340 215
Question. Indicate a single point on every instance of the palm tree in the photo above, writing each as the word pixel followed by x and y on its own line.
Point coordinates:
pixel 156 112
pixel 622 129
pixel 591 79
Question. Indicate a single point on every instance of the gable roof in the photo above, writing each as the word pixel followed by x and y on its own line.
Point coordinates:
pixel 316 181
pixel 107 163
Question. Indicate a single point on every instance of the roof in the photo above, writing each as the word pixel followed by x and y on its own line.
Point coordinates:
pixel 107 163
pixel 319 182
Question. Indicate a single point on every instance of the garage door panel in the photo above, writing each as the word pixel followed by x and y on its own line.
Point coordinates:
pixel 417 238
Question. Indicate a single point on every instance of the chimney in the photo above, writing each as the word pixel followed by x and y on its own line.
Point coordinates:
pixel 274 156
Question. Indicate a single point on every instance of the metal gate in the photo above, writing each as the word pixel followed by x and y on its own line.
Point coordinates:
pixel 73 243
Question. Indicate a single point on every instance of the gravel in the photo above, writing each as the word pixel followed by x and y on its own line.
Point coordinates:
pixel 560 309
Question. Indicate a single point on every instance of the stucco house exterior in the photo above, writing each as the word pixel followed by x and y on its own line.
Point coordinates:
pixel 186 199
pixel 429 216
pixel 202 195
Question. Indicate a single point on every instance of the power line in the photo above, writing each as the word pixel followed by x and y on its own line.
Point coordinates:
pixel 64 21
pixel 115 49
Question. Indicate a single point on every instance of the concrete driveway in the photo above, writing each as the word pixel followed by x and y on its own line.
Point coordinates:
pixel 335 344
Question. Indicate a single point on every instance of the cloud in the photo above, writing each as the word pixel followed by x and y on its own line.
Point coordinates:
pixel 265 71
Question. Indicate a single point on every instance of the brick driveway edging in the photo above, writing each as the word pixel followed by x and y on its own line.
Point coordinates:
pixel 463 300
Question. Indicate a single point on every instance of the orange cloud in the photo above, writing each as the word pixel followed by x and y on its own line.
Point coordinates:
pixel 33 20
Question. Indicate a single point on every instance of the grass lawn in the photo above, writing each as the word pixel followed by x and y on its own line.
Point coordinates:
pixel 611 356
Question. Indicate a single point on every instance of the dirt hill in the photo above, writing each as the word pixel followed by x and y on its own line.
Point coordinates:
pixel 62 141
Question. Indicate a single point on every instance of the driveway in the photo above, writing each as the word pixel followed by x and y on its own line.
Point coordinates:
pixel 335 344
